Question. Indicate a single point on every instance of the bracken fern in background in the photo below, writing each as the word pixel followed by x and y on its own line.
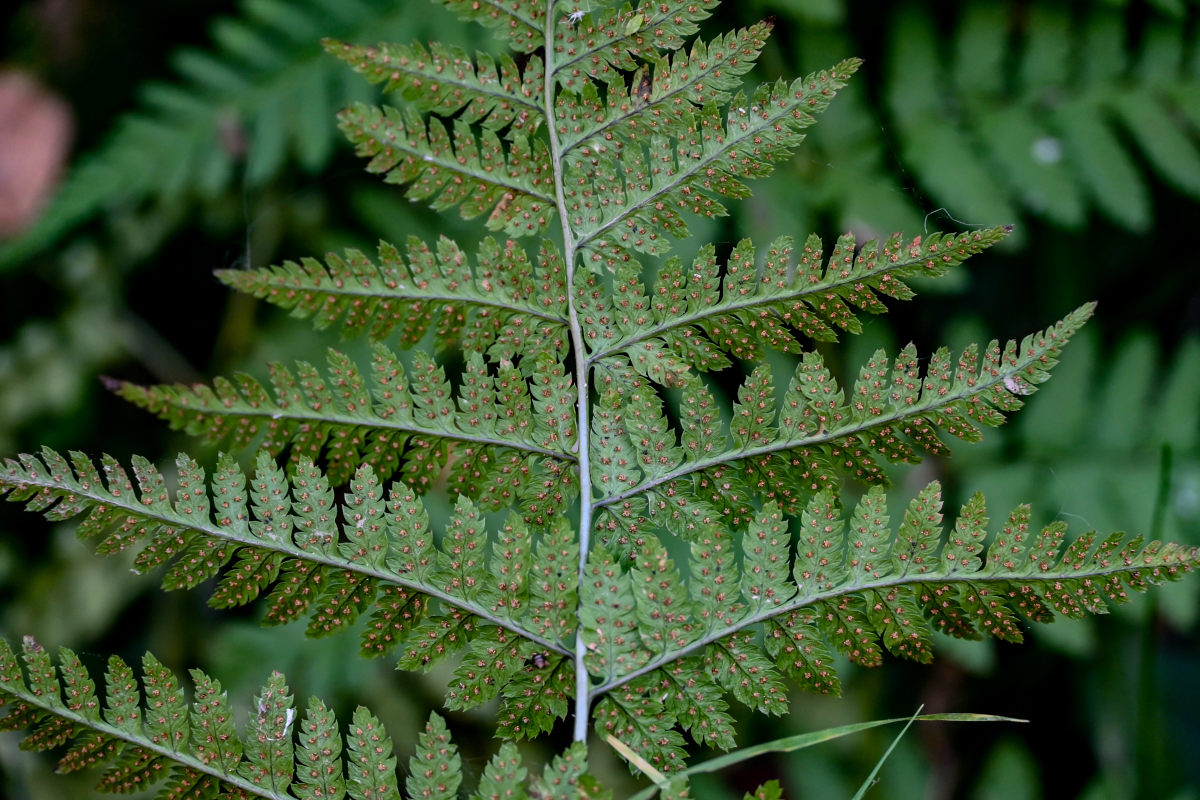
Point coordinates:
pixel 559 383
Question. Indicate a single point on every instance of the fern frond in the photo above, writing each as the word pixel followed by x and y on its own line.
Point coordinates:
pixel 818 436
pixel 199 753
pixel 310 554
pixel 493 444
pixel 443 80
pixel 581 409
pixel 511 182
pixel 853 585
pixel 1043 111
pixel 503 305
pixel 697 317
pixel 267 79
pixel 619 203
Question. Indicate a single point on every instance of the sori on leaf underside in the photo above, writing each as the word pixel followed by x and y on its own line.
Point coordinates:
pixel 584 441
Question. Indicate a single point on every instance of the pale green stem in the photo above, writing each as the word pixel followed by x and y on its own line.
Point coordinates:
pixel 582 424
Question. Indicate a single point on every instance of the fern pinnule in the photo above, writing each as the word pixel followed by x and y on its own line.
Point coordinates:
pixel 435 770
pixel 520 23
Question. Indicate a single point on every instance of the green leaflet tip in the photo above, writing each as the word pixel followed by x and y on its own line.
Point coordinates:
pixel 333 46
pixel 849 66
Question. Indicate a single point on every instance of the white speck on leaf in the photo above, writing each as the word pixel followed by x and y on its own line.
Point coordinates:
pixel 1016 385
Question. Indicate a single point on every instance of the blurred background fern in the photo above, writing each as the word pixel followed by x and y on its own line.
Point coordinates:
pixel 204 138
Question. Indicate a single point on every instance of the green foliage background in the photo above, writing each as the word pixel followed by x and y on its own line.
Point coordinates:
pixel 206 140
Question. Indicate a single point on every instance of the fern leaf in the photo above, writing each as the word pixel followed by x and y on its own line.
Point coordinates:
pixel 495 443
pixel 608 41
pixel 608 620
pixel 319 755
pixel 696 703
pixel 700 316
pixel 657 97
pixel 860 589
pixel 665 616
pixel 123 711
pixel 738 666
pixel 330 560
pixel 631 198
pixel 493 659
pixel 564 777
pixel 819 434
pixel 146 749
pixel 765 581
pixel 166 721
pixel 493 307
pixel 642 723
pixel 512 184
pixel 213 736
pixel 441 79
pixel 1028 127
pixel 277 758
pixel 536 699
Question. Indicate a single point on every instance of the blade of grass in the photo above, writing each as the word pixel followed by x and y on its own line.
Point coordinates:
pixel 870 780
pixel 800 741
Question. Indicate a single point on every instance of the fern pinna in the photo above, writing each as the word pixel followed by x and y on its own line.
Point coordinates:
pixel 583 441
